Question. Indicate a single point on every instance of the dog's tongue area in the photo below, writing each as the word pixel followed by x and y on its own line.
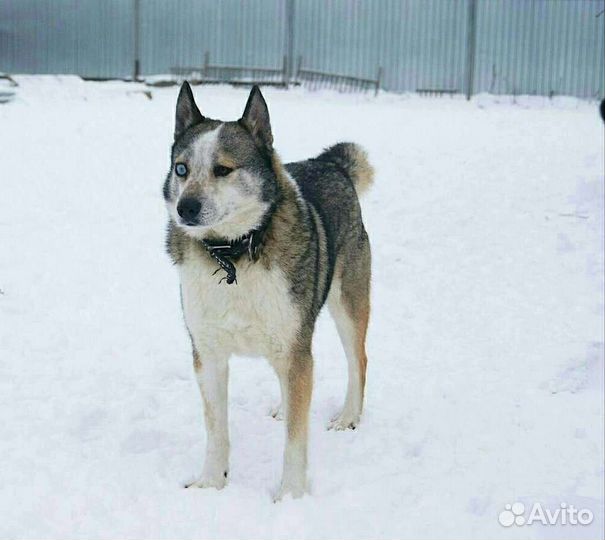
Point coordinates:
pixel 485 345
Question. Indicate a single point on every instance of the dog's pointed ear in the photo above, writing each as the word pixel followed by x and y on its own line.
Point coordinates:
pixel 187 113
pixel 256 119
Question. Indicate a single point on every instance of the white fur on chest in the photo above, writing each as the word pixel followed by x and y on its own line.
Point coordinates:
pixel 255 317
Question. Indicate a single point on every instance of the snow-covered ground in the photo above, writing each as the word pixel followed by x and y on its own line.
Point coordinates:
pixel 485 381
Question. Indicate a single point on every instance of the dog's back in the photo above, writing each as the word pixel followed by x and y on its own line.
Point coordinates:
pixel 330 183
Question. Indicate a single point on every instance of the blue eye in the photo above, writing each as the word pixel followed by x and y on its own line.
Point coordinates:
pixel 180 169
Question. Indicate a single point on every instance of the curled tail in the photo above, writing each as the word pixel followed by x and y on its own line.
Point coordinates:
pixel 353 161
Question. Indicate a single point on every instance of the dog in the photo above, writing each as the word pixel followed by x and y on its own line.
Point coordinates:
pixel 260 247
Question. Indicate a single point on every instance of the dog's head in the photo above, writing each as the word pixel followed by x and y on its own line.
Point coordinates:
pixel 221 179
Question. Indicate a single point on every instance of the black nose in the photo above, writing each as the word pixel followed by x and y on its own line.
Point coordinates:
pixel 188 209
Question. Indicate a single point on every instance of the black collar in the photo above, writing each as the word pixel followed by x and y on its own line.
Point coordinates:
pixel 228 252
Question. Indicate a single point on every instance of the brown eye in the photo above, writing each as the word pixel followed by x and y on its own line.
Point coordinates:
pixel 221 170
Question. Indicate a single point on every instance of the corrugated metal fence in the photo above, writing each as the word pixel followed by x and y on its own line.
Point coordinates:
pixel 547 47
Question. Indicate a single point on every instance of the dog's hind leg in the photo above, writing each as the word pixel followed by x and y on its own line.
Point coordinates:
pixel 349 305
pixel 212 373
pixel 296 380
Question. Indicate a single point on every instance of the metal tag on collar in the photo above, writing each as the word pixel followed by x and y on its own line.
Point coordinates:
pixel 250 248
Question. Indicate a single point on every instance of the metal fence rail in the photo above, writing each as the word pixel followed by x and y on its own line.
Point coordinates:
pixel 243 74
pixel 546 47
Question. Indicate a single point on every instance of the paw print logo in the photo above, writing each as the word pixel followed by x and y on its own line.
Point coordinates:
pixel 512 514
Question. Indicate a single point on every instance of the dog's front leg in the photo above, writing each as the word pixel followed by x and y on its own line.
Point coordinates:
pixel 296 381
pixel 212 372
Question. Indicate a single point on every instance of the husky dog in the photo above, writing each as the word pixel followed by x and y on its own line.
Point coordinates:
pixel 260 247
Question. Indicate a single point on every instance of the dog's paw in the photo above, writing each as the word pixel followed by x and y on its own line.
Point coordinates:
pixel 217 481
pixel 344 420
pixel 277 412
pixel 289 490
